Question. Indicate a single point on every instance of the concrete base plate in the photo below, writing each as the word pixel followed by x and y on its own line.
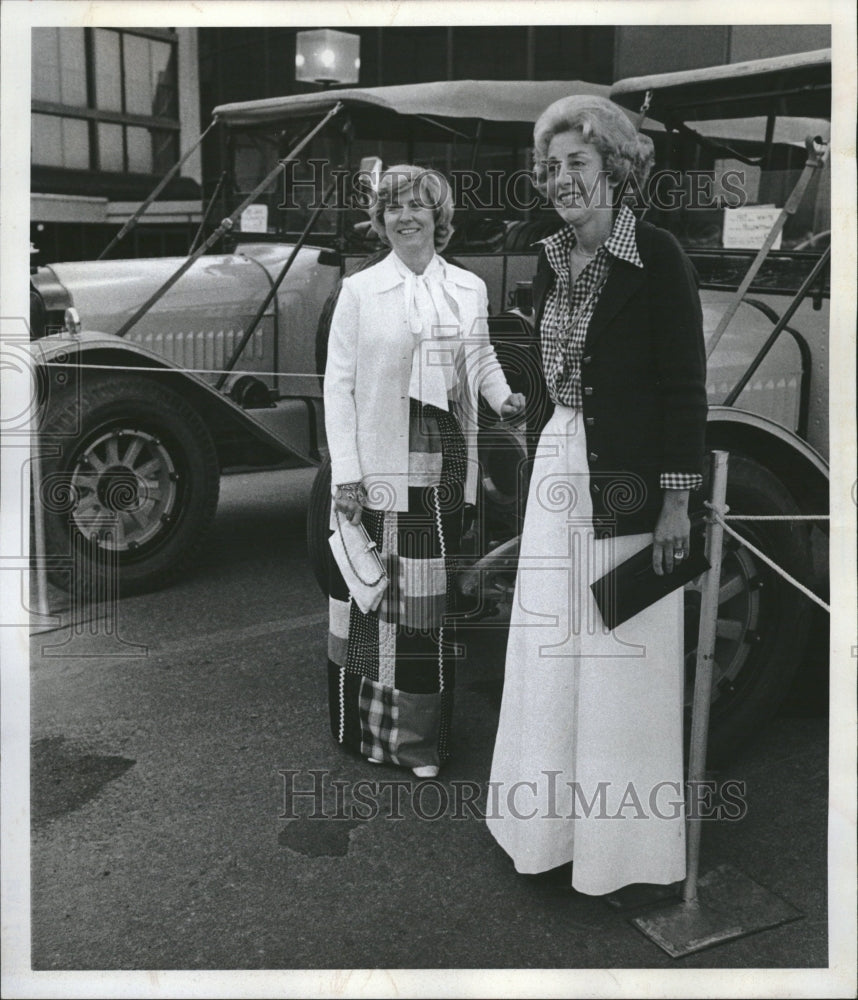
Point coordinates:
pixel 729 905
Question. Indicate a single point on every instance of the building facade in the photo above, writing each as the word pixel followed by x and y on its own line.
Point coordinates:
pixel 112 109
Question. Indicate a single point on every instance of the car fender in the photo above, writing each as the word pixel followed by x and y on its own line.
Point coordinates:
pixel 91 350
pixel 799 466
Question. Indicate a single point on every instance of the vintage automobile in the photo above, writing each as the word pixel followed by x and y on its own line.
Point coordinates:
pixel 769 410
pixel 164 373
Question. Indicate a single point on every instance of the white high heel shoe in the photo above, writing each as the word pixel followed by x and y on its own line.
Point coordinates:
pixel 426 771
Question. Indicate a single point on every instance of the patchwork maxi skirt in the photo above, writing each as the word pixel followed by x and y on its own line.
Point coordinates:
pixel 391 672
pixel 587 763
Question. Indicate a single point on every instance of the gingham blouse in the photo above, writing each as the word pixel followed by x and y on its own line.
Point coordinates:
pixel 569 307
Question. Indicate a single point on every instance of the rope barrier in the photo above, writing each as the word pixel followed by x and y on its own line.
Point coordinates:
pixel 777 517
pixel 717 514
pixel 183 371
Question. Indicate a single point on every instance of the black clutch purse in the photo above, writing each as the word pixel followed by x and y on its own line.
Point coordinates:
pixel 634 585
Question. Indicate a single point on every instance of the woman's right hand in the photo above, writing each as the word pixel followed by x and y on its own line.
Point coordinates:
pixel 349 499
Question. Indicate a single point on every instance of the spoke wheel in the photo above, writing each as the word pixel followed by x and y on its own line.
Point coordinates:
pixel 127 489
pixel 131 488
pixel 737 625
pixel 763 624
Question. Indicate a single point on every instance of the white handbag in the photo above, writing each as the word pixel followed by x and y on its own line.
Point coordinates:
pixel 357 556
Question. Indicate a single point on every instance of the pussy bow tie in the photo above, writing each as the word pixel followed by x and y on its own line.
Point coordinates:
pixel 431 310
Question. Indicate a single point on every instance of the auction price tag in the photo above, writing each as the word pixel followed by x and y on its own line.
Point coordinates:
pixel 746 228
pixel 254 219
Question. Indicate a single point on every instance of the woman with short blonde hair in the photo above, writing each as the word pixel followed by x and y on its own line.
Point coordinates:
pixel 408 354
pixel 429 187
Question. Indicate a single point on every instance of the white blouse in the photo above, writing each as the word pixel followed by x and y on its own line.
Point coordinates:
pixel 433 315
pixel 373 369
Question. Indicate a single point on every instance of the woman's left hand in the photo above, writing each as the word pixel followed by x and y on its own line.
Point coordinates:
pixel 672 533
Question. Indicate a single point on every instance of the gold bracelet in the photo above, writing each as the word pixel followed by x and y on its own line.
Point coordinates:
pixel 350 491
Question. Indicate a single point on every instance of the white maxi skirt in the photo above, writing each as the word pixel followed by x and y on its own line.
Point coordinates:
pixel 587 763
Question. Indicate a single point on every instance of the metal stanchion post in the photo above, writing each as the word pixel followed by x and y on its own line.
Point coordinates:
pixel 39 535
pixel 703 669
pixel 724 904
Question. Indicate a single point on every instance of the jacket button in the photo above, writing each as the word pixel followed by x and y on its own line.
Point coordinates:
pixel 593 456
pixel 588 390
pixel 589 421
pixel 586 359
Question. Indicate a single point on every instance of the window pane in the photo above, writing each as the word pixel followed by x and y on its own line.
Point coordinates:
pixel 46 65
pixel 150 75
pixel 108 80
pixel 139 151
pixel 110 147
pixel 163 62
pixel 138 75
pixel 72 67
pixel 46 140
pixel 60 142
pixel 59 66
pixel 75 143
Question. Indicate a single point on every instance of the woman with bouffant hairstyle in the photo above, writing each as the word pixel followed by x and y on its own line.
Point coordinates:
pixel 606 127
pixel 408 354
pixel 587 764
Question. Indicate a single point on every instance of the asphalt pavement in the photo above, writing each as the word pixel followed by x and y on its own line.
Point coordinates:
pixel 165 748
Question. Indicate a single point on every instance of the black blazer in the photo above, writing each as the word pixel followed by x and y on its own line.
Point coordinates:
pixel 643 377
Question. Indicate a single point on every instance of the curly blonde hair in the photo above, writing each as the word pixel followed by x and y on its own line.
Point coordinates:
pixel 624 151
pixel 429 187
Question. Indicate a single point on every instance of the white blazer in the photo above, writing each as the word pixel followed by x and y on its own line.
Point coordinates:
pixel 368 375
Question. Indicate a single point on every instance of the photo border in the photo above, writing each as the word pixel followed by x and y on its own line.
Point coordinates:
pixel 839 978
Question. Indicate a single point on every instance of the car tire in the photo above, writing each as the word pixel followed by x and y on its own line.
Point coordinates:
pixel 763 624
pixel 129 486
pixel 763 621
pixel 318 522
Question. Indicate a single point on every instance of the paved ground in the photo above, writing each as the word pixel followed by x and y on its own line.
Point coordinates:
pixel 158 832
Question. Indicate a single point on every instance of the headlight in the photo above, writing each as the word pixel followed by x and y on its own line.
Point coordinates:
pixel 71 321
